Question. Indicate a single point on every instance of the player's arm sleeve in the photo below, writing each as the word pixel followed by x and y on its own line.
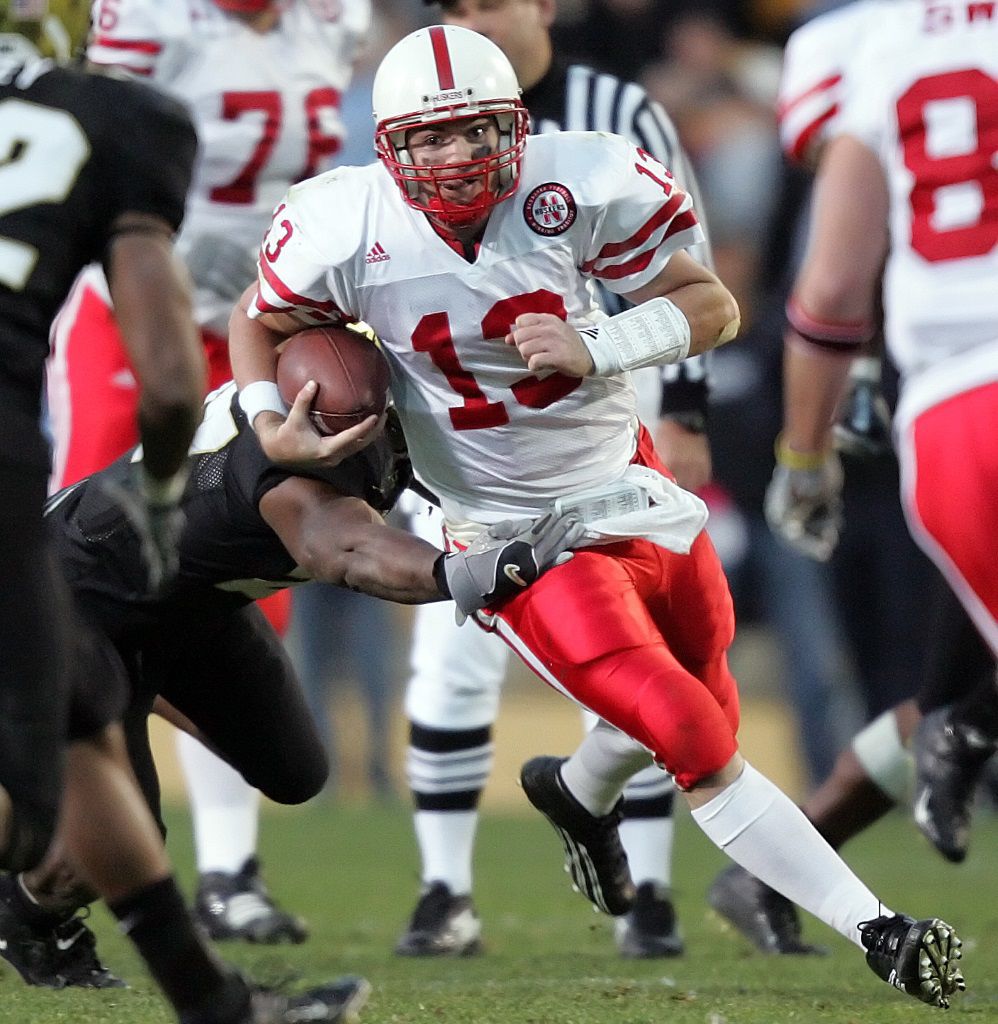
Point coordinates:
pixel 294 272
pixel 131 35
pixel 812 85
pixel 685 386
pixel 640 218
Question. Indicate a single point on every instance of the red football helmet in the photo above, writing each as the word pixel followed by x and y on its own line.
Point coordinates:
pixel 446 73
pixel 245 6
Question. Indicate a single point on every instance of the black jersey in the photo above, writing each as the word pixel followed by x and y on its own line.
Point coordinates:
pixel 229 555
pixel 77 149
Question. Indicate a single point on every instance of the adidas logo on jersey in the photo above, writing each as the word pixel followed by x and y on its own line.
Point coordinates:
pixel 376 254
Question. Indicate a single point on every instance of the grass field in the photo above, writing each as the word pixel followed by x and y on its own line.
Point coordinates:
pixel 549 960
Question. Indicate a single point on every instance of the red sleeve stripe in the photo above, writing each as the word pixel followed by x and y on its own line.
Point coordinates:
pixel 785 106
pixel 441 57
pixel 799 147
pixel 285 294
pixel 634 266
pixel 643 233
pixel 137 45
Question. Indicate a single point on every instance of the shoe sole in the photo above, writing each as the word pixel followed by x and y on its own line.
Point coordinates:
pixel 473 948
pixel 939 973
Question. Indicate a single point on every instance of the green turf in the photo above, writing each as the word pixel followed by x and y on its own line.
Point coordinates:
pixel 549 959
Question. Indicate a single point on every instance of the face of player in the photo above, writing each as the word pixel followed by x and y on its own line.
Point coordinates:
pixel 451 152
pixel 520 28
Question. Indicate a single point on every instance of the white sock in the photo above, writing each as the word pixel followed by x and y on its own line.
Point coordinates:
pixel 759 827
pixel 225 808
pixel 647 830
pixel 446 840
pixel 648 845
pixel 601 765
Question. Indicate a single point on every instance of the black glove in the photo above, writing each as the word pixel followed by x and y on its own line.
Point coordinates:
pixel 153 511
pixel 505 558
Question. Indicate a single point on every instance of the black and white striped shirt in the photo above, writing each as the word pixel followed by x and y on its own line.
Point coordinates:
pixel 574 97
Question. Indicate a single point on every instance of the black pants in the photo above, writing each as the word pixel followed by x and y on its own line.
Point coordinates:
pixel 234 681
pixel 34 633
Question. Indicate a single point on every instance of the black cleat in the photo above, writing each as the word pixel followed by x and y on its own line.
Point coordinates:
pixel 53 956
pixel 648 930
pixel 918 957
pixel 949 761
pixel 442 925
pixel 594 856
pixel 240 907
pixel 762 915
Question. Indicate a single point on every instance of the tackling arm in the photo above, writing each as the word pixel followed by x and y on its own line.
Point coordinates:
pixel 344 541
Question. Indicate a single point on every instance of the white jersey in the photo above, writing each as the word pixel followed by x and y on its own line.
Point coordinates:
pixel 926 102
pixel 815 79
pixel 266 105
pixel 488 437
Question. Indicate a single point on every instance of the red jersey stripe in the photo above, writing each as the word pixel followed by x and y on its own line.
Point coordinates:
pixel 292 298
pixel 798 150
pixel 785 106
pixel 664 214
pixel 138 45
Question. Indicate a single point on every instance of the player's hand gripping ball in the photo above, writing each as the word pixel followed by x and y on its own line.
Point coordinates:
pixel 350 370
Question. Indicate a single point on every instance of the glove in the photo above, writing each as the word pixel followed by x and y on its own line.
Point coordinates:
pixel 153 511
pixel 219 266
pixel 505 558
pixel 803 504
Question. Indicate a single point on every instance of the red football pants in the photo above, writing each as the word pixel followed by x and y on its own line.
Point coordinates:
pixel 950 471
pixel 94 398
pixel 639 635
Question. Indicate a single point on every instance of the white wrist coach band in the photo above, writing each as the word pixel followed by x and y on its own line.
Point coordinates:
pixel 650 334
pixel 261 396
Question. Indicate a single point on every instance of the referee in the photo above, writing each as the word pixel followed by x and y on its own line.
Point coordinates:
pixel 453 694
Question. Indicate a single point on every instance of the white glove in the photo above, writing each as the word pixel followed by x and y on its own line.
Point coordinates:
pixel 505 558
pixel 803 506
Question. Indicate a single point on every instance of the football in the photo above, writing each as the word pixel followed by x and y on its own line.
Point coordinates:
pixel 350 370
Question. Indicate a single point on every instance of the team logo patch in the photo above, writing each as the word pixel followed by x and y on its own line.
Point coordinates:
pixel 550 209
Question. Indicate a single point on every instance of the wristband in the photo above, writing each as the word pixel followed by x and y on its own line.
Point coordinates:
pixel 791 459
pixel 440 576
pixel 261 396
pixel 650 334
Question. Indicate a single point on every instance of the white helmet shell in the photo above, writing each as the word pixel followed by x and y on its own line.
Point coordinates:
pixel 439 73
pixel 446 73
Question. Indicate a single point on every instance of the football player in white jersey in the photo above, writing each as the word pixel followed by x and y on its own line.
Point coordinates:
pixel 453 692
pixel 915 162
pixel 263 80
pixel 511 386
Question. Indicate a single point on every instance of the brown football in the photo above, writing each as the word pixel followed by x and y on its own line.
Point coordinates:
pixel 350 370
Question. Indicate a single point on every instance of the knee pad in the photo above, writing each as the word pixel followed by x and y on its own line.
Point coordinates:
pixel 687 730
